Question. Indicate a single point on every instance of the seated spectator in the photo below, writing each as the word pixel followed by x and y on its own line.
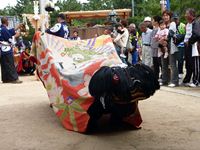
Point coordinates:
pixel 75 36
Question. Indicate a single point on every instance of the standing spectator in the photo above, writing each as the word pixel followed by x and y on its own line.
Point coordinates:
pixel 173 56
pixel 133 37
pixel 180 38
pixel 60 29
pixel 148 22
pixel 195 41
pixel 122 39
pixel 146 43
pixel 154 46
pixel 8 70
pixel 166 16
pixel 190 17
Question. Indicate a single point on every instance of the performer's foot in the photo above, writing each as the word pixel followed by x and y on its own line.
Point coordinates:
pixel 16 81
pixel 92 126
pixel 32 73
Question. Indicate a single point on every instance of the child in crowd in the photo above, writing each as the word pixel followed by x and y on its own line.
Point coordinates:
pixel 75 36
pixel 161 36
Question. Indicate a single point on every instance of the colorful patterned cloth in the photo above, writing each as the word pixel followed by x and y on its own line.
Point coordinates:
pixel 66 67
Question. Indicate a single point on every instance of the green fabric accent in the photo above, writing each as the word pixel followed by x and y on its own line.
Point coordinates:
pixel 133 37
pixel 72 119
pixel 181 28
pixel 69 109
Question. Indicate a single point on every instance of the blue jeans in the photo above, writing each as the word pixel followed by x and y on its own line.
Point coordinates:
pixel 135 57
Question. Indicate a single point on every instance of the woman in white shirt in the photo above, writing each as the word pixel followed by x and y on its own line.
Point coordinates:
pixel 122 38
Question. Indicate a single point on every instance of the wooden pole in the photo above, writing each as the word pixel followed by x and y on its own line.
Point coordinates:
pixel 133 8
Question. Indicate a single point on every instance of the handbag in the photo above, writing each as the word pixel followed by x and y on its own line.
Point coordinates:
pixel 129 46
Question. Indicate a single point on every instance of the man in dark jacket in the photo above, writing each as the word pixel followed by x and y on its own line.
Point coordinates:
pixel 194 40
pixel 195 32
pixel 8 70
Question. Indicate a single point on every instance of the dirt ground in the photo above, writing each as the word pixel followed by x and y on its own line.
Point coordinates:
pixel 171 121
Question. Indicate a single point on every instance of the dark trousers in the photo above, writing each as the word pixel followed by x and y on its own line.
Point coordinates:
pixel 156 66
pixel 173 62
pixel 8 70
pixel 165 70
pixel 188 64
pixel 181 59
pixel 196 70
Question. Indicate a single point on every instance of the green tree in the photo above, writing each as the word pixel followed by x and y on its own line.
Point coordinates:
pixel 120 4
pixel 23 6
pixel 69 5
pixel 180 6
pixel 7 11
pixel 65 5
pixel 98 5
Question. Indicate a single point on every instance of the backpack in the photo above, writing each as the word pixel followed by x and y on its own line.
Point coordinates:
pixel 180 35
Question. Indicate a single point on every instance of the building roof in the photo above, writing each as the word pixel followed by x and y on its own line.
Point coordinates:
pixel 122 13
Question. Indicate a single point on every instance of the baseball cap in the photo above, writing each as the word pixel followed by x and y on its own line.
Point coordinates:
pixel 147 19
pixel 175 16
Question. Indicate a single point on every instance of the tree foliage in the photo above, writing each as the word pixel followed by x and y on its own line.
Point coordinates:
pixel 142 7
pixel 69 5
pixel 65 5
pixel 97 5
pixel 22 6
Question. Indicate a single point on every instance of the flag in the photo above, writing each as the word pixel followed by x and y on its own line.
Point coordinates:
pixel 167 4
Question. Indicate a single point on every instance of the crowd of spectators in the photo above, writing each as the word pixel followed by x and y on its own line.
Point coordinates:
pixel 167 45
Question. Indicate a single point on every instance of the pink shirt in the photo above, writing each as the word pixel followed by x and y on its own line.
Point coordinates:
pixel 162 34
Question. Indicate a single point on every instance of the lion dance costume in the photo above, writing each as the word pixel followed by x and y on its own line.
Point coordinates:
pixel 84 80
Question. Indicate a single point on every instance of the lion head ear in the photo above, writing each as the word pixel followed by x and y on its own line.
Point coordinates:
pixel 115 79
